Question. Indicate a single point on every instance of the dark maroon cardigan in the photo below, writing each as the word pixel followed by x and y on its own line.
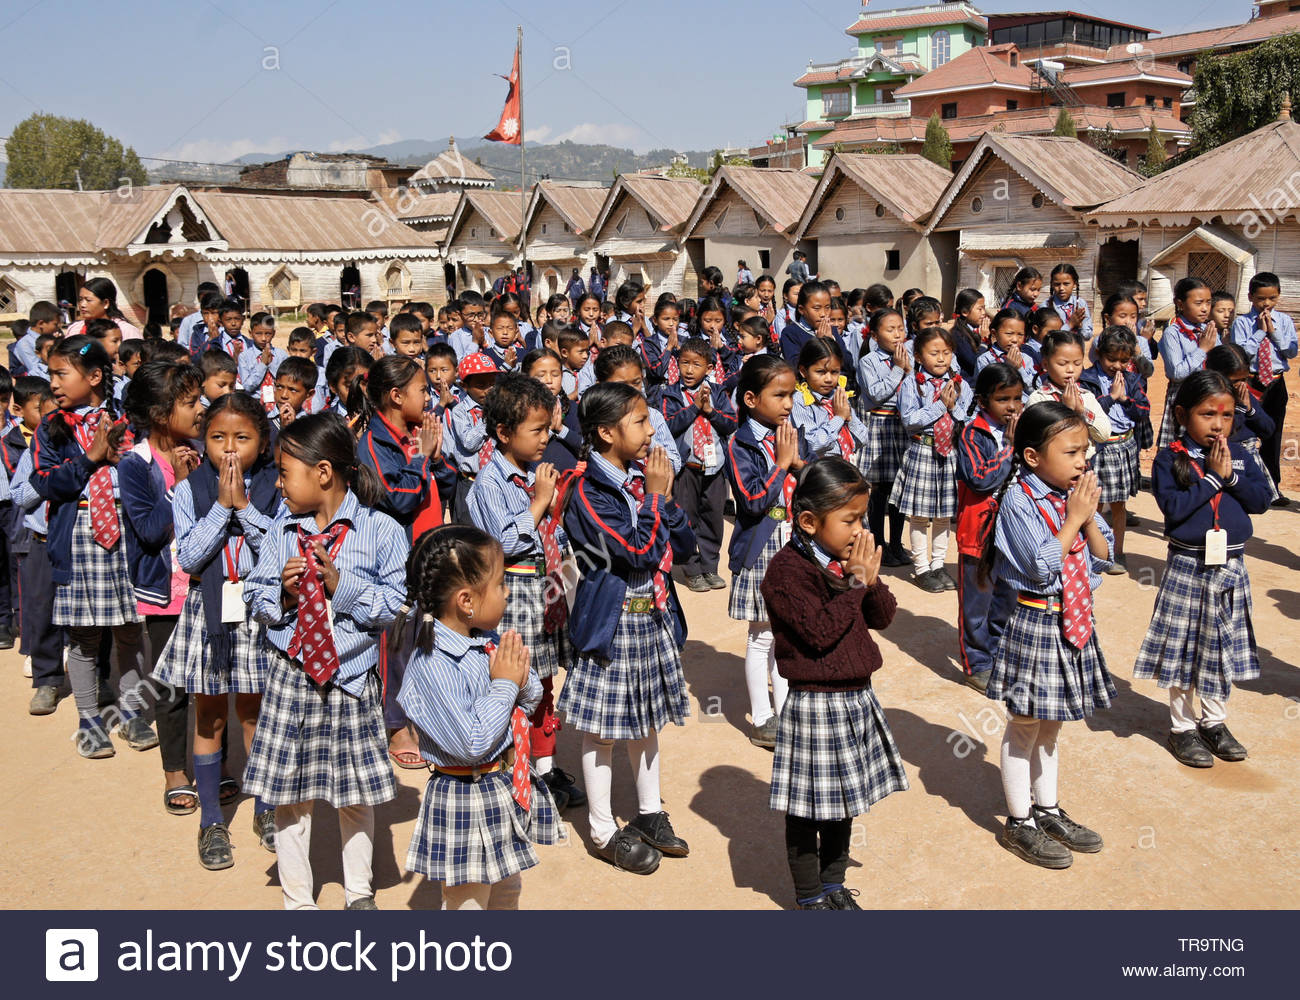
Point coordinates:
pixel 822 625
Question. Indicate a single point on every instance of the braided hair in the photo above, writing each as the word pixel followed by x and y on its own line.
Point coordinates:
pixel 86 354
pixel 442 562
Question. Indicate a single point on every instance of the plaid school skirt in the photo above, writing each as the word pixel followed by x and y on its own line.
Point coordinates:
pixel 881 456
pixel 473 832
pixel 186 661
pixel 835 756
pixel 639 690
pixel 1200 633
pixel 99 591
pixel 1169 429
pixel 547 652
pixel 318 743
pixel 926 485
pixel 1116 465
pixel 1040 675
pixel 745 602
pixel 1251 444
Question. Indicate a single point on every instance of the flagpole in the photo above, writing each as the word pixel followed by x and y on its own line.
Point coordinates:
pixel 523 185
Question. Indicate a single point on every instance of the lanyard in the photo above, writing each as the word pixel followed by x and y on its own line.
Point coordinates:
pixel 232 562
pixel 1218 497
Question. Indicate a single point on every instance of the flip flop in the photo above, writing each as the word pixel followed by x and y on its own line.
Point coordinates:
pixel 410 760
pixel 171 794
pixel 228 790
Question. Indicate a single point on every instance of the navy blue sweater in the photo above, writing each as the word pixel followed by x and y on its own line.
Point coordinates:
pixel 1188 512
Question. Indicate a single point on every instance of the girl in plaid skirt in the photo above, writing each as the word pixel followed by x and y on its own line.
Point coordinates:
pixel 761 459
pixel 1200 639
pixel 222 511
pixel 835 756
pixel 883 366
pixel 469 693
pixel 932 406
pixel 1050 547
pixel 1184 345
pixel 329 578
pixel 627 626
pixel 75 454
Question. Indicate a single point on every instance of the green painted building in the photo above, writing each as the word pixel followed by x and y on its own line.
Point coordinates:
pixel 894 47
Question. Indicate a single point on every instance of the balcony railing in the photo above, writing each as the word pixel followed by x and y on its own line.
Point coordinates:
pixel 880 110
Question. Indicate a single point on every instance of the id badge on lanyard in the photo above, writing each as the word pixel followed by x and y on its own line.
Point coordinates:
pixel 233 608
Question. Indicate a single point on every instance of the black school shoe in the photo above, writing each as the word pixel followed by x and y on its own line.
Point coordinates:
pixel 1064 830
pixel 842 899
pixel 656 831
pixel 6 638
pixel 821 903
pixel 944 577
pixel 715 582
pixel 1188 749
pixel 629 853
pixel 562 786
pixel 1222 743
pixel 264 827
pixel 1034 845
pixel 698 584
pixel 215 852
pixel 929 581
pixel 979 681
pixel 895 556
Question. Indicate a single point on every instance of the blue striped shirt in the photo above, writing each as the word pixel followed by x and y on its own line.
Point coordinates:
pixel 252 371
pixel 468 434
pixel 503 510
pixel 1246 333
pixel 1029 554
pixel 821 429
pixel 461 713
pixel 878 381
pixel 1181 354
pixel 920 408
pixel 197 540
pixel 25 497
pixel 371 590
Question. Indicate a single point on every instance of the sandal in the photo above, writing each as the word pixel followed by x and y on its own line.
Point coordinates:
pixel 170 795
pixel 408 759
pixel 228 790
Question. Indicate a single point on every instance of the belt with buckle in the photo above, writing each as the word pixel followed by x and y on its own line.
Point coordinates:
pixel 85 504
pixel 777 513
pixel 639 605
pixel 926 439
pixel 39 537
pixel 477 771
pixel 884 413
pixel 533 568
pixel 1040 602
pixel 1120 437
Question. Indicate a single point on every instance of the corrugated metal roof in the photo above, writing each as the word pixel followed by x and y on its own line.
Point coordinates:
pixel 1255 173
pixel 1071 173
pixel 441 205
pixel 778 194
pixel 669 200
pixel 907 185
pixel 1213 38
pixel 982 243
pixel 451 166
pixel 123 217
pixel 578 206
pixel 1077 76
pixel 295 223
pixel 56 222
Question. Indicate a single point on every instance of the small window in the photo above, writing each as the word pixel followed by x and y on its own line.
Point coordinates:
pixel 1185 66
pixel 1115 100
pixel 1167 103
pixel 839 215
pixel 566 228
pixel 1015 59
pixel 880 211
pixel 1036 201
pixel 493 232
pixel 948 110
pixel 941 48
pixel 764 259
pixel 720 221
pixel 473 234
pixel 621 223
pixel 977 205
pixel 1151 100
pixel 893 260
pixel 835 102
pixel 543 228
pixel 8 296
pixel 1012 105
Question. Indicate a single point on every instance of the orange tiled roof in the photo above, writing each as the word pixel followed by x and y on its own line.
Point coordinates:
pixel 922 19
pixel 1077 76
pixel 1214 38
pixel 974 68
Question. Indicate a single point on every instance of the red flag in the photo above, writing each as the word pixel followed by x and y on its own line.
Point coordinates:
pixel 507 129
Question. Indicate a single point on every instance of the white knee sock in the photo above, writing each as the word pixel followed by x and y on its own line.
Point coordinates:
pixel 919 544
pixel 1043 764
pixel 1017 744
pixel 1182 709
pixel 644 758
pixel 1213 711
pixel 293 855
pixel 543 765
pixel 357 834
pixel 939 542
pixel 758 665
pixel 597 774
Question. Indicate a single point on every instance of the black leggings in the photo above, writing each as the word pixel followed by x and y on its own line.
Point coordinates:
pixel 171 709
pixel 877 506
pixel 818 852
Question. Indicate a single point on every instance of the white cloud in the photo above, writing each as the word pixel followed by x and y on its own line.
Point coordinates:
pixel 538 134
pixel 612 135
pixel 214 151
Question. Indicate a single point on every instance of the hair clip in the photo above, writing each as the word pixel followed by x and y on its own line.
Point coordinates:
pixel 84 348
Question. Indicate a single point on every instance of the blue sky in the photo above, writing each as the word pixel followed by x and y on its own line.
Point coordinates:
pixel 196 79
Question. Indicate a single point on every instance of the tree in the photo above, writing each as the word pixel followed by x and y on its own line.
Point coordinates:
pixel 1065 124
pixel 1239 92
pixel 938 145
pixel 1105 141
pixel 1154 161
pixel 46 151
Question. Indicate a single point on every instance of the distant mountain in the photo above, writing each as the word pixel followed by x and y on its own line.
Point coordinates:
pixel 561 161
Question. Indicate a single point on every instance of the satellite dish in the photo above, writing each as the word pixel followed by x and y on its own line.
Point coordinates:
pixel 1133 48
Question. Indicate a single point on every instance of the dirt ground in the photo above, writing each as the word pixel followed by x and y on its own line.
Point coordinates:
pixel 92 834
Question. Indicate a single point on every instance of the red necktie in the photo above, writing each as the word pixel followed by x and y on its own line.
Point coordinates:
pixel 1187 330
pixel 521 737
pixel 636 486
pixel 701 437
pixel 1264 361
pixel 104 525
pixel 429 516
pixel 313 637
pixel 557 610
pixel 845 438
pixel 943 427
pixel 836 569
pixel 230 348
pixel 673 374
pixel 489 445
pixel 787 487
pixel 1076 594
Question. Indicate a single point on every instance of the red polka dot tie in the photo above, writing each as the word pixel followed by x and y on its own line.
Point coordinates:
pixel 636 486
pixel 521 738
pixel 845 437
pixel 1076 593
pixel 836 569
pixel 787 486
pixel 673 374
pixel 104 524
pixel 1264 360
pixel 557 610
pixel 701 435
pixel 313 637
pixel 944 426
pixel 489 445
